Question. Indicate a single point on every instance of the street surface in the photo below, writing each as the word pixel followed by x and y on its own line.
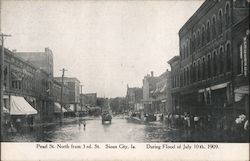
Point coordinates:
pixel 120 130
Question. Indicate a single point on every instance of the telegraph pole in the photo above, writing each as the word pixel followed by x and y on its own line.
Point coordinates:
pixel 81 97
pixel 63 70
pixel 2 80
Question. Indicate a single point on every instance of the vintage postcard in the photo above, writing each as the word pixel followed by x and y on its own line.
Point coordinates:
pixel 124 80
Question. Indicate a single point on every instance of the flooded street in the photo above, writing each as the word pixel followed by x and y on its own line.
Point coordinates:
pixel 120 130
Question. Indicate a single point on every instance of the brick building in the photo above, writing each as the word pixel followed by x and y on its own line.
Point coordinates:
pixel 73 85
pixel 213 63
pixel 133 99
pixel 24 82
pixel 88 99
pixel 148 88
pixel 162 95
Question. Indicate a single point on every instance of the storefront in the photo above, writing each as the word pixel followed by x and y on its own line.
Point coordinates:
pixel 21 112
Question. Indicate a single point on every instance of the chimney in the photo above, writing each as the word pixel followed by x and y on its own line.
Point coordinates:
pixel 152 74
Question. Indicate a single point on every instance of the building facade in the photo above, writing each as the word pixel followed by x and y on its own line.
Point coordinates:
pixel 73 85
pixel 214 61
pixel 88 99
pixel 25 82
pixel 148 88
pixel 133 99
pixel 41 60
pixel 162 95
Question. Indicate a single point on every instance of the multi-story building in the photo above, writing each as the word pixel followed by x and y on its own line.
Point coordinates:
pixel 214 60
pixel 73 85
pixel 148 88
pixel 162 95
pixel 175 83
pixel 24 82
pixel 41 60
pixel 88 99
pixel 133 98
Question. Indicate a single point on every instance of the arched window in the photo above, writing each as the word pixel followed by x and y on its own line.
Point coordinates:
pixel 209 66
pixel 203 36
pixel 214 26
pixel 181 52
pixel 203 68
pixel 198 39
pixel 185 76
pixel 229 57
pixel 221 61
pixel 220 21
pixel 208 31
pixel 187 48
pixel 194 72
pixel 227 14
pixel 199 70
pixel 214 63
pixel 194 42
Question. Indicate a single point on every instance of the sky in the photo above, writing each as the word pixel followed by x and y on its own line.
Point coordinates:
pixel 105 44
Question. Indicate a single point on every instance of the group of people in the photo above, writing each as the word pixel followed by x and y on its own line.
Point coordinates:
pixel 15 125
pixel 223 126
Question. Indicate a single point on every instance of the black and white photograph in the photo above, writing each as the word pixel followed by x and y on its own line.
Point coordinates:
pixel 105 71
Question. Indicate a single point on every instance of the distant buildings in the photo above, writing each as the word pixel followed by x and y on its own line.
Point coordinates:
pixel 156 93
pixel 73 85
pixel 154 97
pixel 88 99
pixel 134 97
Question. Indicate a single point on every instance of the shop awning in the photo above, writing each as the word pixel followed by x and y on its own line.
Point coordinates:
pixel 242 90
pixel 240 93
pixel 19 106
pixel 163 100
pixel 58 108
pixel 219 86
pixel 70 107
pixel 163 88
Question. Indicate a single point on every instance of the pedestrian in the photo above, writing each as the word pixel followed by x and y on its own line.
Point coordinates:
pixel 18 124
pixel 84 124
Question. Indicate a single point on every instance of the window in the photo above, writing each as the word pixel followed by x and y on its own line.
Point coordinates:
pixel 220 21
pixel 209 66
pixel 198 38
pixel 227 14
pixel 214 64
pixel 242 61
pixel 184 76
pixel 195 71
pixel 203 68
pixel 221 60
pixel 208 31
pixel 203 35
pixel 194 42
pixel 199 70
pixel 214 26
pixel 187 46
pixel 229 58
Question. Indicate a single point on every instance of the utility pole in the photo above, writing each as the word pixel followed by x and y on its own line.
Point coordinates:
pixel 81 104
pixel 63 70
pixel 2 81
